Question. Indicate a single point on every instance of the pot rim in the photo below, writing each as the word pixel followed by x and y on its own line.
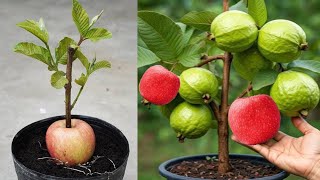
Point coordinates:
pixel 165 173
pixel 60 117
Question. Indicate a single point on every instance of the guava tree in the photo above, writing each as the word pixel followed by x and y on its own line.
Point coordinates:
pixel 263 53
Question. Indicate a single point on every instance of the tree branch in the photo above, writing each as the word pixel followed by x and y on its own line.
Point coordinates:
pixel 223 131
pixel 216 110
pixel 206 59
pixel 244 92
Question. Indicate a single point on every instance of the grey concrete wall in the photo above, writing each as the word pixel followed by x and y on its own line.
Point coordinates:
pixel 25 91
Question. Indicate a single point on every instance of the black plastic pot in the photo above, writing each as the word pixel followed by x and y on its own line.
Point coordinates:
pixel 98 125
pixel 163 168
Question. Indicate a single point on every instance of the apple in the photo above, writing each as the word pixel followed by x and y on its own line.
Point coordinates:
pixel 158 85
pixel 73 145
pixel 255 119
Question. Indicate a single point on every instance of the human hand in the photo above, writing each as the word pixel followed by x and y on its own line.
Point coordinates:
pixel 299 156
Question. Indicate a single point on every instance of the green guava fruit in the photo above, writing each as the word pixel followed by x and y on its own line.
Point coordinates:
pixel 234 31
pixel 295 93
pixel 249 62
pixel 198 85
pixel 167 109
pixel 281 41
pixel 191 120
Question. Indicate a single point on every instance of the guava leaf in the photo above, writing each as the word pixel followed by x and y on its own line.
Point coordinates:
pixel 95 19
pixel 187 32
pixel 190 55
pixel 240 6
pixel 80 18
pixel 58 80
pixel 83 59
pixel 146 57
pixel 96 34
pixel 264 78
pixel 161 34
pixel 309 65
pixel 200 20
pixel 36 28
pixel 62 50
pixel 100 65
pixel 37 52
pixel 81 81
pixel 141 43
pixel 257 9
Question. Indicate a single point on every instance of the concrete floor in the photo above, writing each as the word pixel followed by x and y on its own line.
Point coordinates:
pixel 25 91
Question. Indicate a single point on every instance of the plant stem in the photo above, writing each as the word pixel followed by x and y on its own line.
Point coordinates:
pixel 68 106
pixel 68 86
pixel 51 58
pixel 244 92
pixel 223 131
pixel 77 97
pixel 206 59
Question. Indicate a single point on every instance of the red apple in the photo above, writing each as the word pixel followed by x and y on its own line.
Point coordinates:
pixel 158 85
pixel 73 145
pixel 255 119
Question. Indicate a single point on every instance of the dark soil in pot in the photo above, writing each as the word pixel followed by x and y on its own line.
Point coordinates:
pixel 110 156
pixel 206 167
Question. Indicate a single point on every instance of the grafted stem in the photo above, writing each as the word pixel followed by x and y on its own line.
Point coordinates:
pixel 68 86
pixel 68 106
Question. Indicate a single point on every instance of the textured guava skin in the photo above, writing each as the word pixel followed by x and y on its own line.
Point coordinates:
pixel 234 31
pixel 255 119
pixel 158 85
pixel 295 91
pixel 196 82
pixel 280 40
pixel 167 109
pixel 249 62
pixel 191 120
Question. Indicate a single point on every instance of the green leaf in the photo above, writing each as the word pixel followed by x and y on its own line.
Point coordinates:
pixel 37 52
pixel 36 28
pixel 80 18
pixel 95 19
pixel 190 55
pixel 96 34
pixel 141 43
pixel 264 78
pixel 58 80
pixel 83 59
pixel 62 50
pixel 100 65
pixel 309 65
pixel 146 57
pixel 187 32
pixel 240 6
pixel 82 80
pixel 257 9
pixel 200 20
pixel 161 34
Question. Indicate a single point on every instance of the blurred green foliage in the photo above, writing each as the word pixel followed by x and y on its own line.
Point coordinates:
pixel 157 141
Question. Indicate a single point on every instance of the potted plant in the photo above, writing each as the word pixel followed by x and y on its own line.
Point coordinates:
pixel 69 146
pixel 190 83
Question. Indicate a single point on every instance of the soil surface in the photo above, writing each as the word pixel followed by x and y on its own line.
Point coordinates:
pixel 208 169
pixel 33 154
